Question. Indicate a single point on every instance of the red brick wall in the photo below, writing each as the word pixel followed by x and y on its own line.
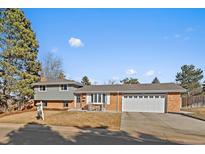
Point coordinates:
pixel 59 105
pixel 115 102
pixel 83 100
pixel 173 102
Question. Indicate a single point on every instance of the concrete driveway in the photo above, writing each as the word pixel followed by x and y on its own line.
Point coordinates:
pixel 161 128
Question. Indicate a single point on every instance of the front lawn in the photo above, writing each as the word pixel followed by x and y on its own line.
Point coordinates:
pixel 65 118
pixel 197 112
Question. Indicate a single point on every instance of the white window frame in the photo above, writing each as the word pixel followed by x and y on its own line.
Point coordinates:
pixel 39 89
pixel 97 98
pixel 78 96
pixel 63 85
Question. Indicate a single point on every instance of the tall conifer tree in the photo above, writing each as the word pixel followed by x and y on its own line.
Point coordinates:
pixel 19 66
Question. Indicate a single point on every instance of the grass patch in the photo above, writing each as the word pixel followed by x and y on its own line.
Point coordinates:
pixel 65 118
pixel 197 112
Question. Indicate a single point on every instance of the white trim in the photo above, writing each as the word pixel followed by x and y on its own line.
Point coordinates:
pixel 39 90
pixel 61 89
pixel 94 102
pixel 107 99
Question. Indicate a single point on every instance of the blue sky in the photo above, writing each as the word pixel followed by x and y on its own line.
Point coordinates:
pixel 109 44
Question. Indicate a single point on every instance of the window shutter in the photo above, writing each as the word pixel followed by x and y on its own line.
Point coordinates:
pixel 108 99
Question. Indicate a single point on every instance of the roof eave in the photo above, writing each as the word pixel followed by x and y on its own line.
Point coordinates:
pixel 135 91
pixel 59 83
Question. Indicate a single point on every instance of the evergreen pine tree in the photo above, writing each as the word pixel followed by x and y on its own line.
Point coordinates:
pixel 86 81
pixel 189 77
pixel 19 67
pixel 155 80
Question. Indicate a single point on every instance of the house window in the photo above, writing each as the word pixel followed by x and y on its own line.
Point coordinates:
pixel 125 96
pixel 156 96
pixel 78 98
pixel 104 98
pixel 135 96
pixel 130 96
pixel 64 87
pixel 42 88
pixel 162 96
pixel 140 96
pixel 145 96
pixel 95 98
pixel 65 104
pixel 44 103
pixel 92 98
pixel 98 98
pixel 151 96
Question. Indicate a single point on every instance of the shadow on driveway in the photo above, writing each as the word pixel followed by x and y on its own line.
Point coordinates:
pixel 38 134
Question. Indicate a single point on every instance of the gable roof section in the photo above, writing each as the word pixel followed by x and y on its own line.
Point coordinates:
pixel 133 88
pixel 57 82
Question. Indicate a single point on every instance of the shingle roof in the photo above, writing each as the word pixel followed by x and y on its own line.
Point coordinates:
pixel 133 88
pixel 57 82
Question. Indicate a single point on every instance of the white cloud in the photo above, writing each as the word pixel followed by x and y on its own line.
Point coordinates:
pixel 75 42
pixel 131 72
pixel 150 73
pixel 54 50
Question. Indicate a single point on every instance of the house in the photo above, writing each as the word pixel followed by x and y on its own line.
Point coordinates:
pixel 56 94
pixel 160 98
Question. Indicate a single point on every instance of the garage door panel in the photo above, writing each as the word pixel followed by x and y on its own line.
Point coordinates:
pixel 143 104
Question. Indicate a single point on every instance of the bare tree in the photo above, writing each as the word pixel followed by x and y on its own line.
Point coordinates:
pixel 52 67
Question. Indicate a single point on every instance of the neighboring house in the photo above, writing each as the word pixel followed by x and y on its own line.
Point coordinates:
pixel 56 93
pixel 160 98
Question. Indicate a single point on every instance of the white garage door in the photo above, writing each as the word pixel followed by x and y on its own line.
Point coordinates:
pixel 143 103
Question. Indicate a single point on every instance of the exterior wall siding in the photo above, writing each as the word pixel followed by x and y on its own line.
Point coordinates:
pixel 53 93
pixel 173 102
pixel 115 103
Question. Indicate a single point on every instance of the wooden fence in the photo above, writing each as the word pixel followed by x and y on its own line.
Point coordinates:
pixel 193 101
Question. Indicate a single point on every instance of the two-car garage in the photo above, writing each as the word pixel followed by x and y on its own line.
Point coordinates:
pixel 143 103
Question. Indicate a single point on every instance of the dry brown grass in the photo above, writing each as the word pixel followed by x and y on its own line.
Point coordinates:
pixel 65 118
pixel 197 112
